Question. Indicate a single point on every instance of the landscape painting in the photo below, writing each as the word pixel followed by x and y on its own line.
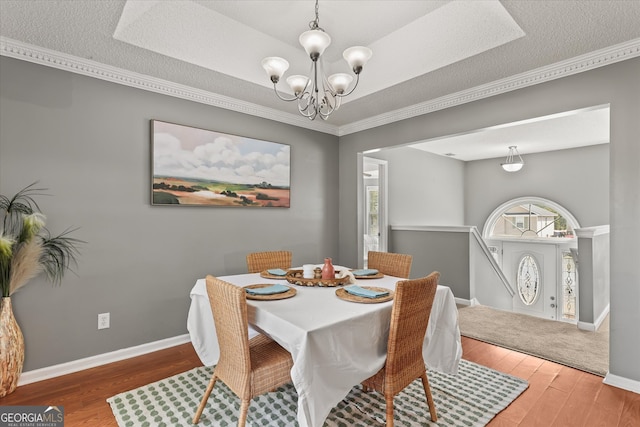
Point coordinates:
pixel 198 167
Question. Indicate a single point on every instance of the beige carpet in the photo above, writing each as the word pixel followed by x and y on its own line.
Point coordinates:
pixel 559 342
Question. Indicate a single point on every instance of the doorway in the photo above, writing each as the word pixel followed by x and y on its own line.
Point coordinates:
pixel 374 187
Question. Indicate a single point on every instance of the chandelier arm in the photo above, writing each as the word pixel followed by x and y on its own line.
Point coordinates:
pixel 324 109
pixel 282 98
pixel 338 103
pixel 303 108
pixel 342 95
pixel 309 113
pixel 325 116
pixel 330 106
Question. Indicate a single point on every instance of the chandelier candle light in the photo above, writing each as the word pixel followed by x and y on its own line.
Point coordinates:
pixel 318 95
pixel 513 164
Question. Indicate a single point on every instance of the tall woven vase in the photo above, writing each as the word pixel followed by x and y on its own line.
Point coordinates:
pixel 11 349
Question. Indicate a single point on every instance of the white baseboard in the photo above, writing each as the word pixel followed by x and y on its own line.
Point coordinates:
pixel 99 360
pixel 592 327
pixel 586 326
pixel 622 382
pixel 465 302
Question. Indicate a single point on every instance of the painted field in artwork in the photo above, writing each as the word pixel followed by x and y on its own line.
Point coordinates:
pixel 194 166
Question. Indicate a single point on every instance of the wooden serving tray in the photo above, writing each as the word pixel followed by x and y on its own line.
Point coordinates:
pixel 295 277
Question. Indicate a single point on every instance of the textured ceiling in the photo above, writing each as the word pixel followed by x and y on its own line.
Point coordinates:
pixel 430 35
pixel 423 50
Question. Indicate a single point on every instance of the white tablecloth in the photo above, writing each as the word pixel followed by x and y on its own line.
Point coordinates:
pixel 335 344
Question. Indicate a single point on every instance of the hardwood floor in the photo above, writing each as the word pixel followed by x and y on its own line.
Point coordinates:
pixel 557 396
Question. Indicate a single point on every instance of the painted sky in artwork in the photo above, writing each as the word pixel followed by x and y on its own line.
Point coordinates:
pixel 186 152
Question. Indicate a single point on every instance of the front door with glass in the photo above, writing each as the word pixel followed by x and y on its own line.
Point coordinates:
pixel 531 269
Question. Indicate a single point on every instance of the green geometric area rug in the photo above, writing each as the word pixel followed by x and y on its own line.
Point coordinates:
pixel 471 398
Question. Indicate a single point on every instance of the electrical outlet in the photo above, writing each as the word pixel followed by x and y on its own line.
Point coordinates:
pixel 103 320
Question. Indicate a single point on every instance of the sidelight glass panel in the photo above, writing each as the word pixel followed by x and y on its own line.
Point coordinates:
pixel 568 286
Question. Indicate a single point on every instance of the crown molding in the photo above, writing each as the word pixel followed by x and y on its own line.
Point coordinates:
pixel 579 64
pixel 50 58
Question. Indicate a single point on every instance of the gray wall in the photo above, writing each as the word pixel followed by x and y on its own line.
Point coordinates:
pixel 424 188
pixel 617 84
pixel 487 286
pixel 88 142
pixel 431 251
pixel 593 276
pixel 446 191
pixel 602 273
pixel 577 179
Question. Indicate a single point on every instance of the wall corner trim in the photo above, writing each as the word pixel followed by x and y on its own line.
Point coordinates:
pixel 591 232
pixel 99 360
pixel 592 327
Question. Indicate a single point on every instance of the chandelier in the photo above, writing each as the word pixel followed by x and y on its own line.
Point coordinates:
pixel 316 94
pixel 513 164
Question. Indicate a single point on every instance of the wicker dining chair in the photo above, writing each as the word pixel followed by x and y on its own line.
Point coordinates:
pixel 248 367
pixel 409 319
pixel 260 261
pixel 398 265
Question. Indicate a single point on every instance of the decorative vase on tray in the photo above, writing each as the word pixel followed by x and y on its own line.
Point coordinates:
pixel 328 272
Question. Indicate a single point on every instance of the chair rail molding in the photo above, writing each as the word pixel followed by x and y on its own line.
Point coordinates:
pixel 444 228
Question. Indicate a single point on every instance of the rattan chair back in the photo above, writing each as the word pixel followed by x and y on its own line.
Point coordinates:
pixel 248 367
pixel 261 261
pixel 229 308
pixel 389 263
pixel 412 305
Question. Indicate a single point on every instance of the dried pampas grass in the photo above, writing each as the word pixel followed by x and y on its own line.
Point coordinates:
pixel 25 264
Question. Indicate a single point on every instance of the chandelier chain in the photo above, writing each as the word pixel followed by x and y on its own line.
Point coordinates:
pixel 314 25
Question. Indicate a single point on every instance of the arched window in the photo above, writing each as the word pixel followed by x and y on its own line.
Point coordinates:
pixel 530 218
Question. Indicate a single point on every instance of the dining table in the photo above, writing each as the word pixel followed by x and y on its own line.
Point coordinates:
pixel 335 343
